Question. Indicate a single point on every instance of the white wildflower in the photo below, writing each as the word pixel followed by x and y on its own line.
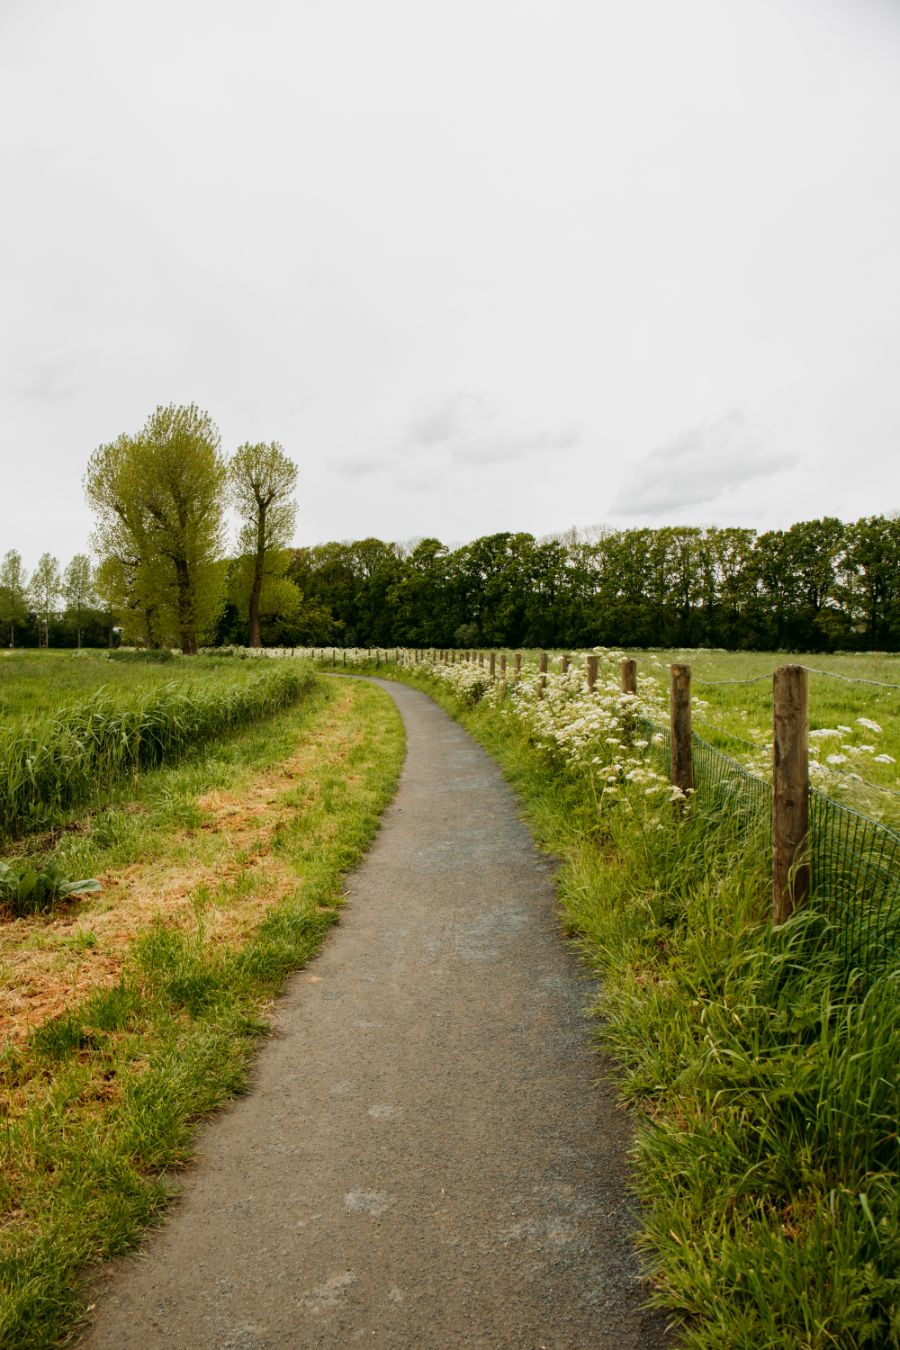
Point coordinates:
pixel 868 724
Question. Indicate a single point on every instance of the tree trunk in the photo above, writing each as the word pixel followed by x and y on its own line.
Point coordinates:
pixel 259 563
pixel 185 608
pixel 255 594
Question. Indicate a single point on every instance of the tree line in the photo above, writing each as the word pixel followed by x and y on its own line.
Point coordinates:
pixel 160 575
pixel 821 585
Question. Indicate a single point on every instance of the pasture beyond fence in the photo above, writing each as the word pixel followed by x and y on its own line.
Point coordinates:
pixel 822 850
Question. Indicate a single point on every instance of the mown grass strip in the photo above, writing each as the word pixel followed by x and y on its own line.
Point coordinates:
pixel 762 1077
pixel 103 1099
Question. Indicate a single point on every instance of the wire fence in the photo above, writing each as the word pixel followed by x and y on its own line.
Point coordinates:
pixel 854 860
pixel 856 878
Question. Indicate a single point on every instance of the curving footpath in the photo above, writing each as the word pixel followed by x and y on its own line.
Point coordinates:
pixel 424 1159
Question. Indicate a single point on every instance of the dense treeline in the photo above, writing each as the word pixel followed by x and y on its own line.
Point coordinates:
pixel 821 585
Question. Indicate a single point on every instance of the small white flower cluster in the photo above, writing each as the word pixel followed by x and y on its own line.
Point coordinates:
pixel 601 731
pixel 852 753
pixel 837 763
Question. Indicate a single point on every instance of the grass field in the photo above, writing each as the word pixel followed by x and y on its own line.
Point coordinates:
pixel 129 1015
pixel 75 725
pixel 738 717
pixel 34 682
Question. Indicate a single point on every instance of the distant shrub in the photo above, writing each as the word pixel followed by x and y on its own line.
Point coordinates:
pixel 153 655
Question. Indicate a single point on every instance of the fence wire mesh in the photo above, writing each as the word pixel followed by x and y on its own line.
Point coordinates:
pixel 854 860
pixel 856 877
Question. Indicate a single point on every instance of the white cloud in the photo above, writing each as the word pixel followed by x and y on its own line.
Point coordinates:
pixel 466 429
pixel 701 465
pixel 50 381
pixel 452 417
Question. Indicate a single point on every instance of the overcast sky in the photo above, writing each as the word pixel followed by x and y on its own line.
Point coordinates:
pixel 478 265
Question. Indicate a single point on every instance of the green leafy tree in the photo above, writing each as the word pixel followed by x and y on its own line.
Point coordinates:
pixel 45 593
pixel 280 603
pixel 872 579
pixel 13 594
pixel 262 480
pixel 159 500
pixel 417 600
pixel 78 591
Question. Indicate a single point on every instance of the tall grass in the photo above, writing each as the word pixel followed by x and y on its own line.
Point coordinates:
pixel 55 760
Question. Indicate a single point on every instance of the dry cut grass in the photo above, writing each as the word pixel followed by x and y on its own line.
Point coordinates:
pixel 222 873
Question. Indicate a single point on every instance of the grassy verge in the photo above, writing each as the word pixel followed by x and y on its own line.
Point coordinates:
pixel 763 1078
pixel 101 1100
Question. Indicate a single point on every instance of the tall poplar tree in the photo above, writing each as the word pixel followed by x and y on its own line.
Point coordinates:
pixel 45 591
pixel 262 480
pixel 159 501
pixel 78 591
pixel 13 593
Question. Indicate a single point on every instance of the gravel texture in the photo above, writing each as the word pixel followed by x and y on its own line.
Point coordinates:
pixel 425 1158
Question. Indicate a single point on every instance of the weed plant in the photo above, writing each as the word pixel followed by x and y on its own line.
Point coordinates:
pixel 27 889
pixel 760 1067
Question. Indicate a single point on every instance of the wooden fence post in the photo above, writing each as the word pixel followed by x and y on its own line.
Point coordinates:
pixel 790 790
pixel 542 678
pixel 680 727
pixel 503 666
pixel 493 667
pixel 628 669
pixel 518 666
pixel 481 660
pixel 564 664
pixel 591 672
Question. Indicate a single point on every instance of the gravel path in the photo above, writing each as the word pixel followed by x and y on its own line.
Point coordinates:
pixel 424 1159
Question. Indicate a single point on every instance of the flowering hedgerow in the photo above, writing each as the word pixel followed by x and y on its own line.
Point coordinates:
pixel 604 733
pixel 615 738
